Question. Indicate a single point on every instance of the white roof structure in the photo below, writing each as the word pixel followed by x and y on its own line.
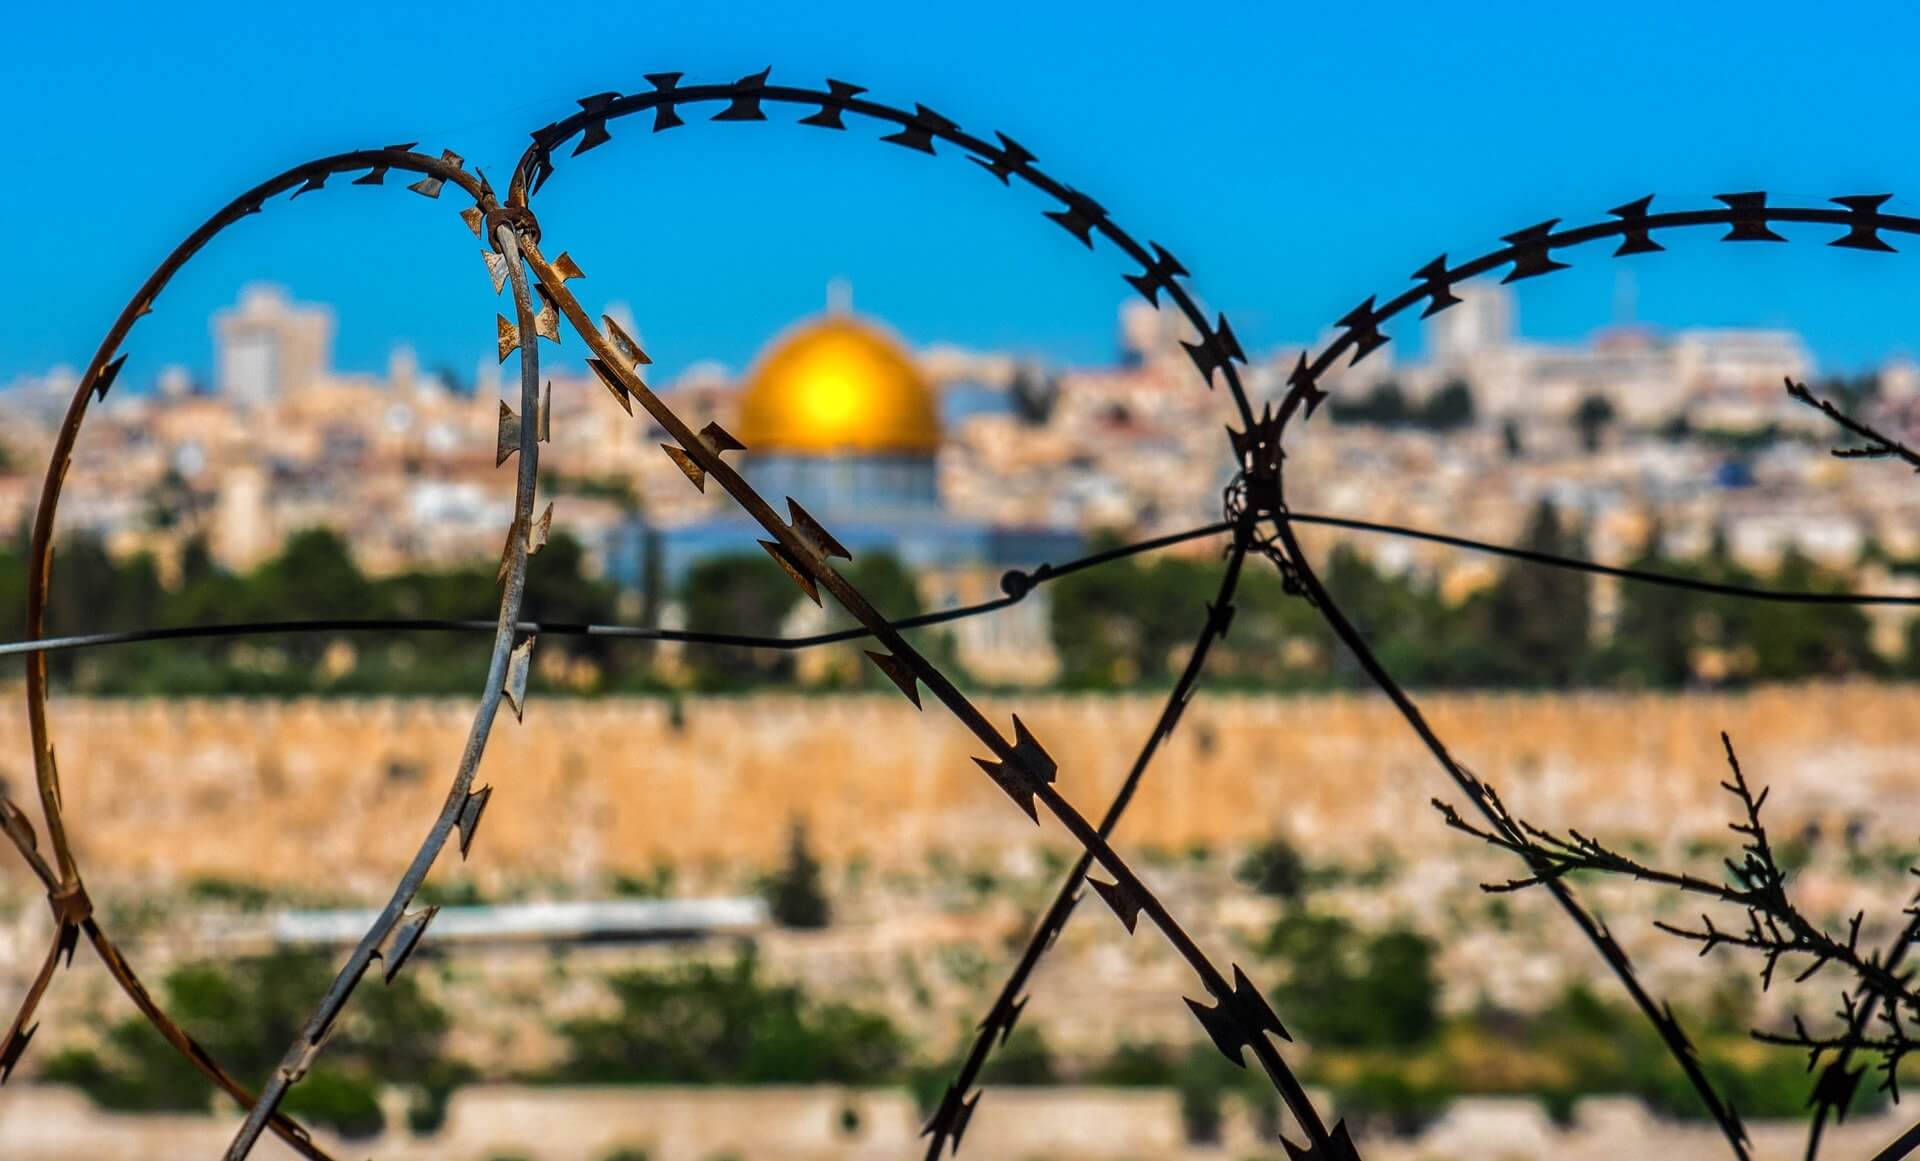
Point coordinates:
pixel 617 920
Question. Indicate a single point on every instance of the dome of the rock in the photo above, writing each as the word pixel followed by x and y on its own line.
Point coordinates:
pixel 838 385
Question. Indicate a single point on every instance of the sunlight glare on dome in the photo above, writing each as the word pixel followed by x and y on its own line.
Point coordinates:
pixel 837 385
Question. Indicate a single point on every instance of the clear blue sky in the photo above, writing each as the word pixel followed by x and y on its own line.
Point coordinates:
pixel 1295 158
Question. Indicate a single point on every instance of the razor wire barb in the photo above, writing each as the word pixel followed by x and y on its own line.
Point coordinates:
pixel 1238 1017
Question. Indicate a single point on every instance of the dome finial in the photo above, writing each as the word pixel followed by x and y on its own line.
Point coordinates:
pixel 839 296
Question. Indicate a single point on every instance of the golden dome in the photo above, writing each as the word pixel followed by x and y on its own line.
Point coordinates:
pixel 837 384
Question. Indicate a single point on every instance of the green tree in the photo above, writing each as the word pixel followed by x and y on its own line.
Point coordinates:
pixel 245 1014
pixel 1591 419
pixel 700 1023
pixel 313 571
pixel 1654 632
pixel 1023 1059
pixel 1414 633
pixel 1346 989
pixel 794 894
pixel 1033 394
pixel 737 594
pixel 1384 406
pixel 1510 440
pixel 559 589
pixel 1448 408
pixel 1659 629
pixel 90 592
pixel 1126 622
pixel 1535 624
pixel 891 588
pixel 172 501
pixel 1797 641
pixel 196 562
pixel 1275 868
pixel 886 583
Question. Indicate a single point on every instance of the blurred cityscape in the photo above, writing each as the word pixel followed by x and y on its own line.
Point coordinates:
pixel 959 464
pixel 752 880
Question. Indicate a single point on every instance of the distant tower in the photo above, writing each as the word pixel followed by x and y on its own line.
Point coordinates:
pixel 267 346
pixel 403 368
pixel 241 535
pixel 840 296
pixel 175 382
pixel 1150 335
pixel 1626 297
pixel 1481 321
pixel 1899 380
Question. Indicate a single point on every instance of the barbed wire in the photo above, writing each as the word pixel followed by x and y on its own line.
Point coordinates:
pixel 1258 489
pixel 1240 1017
pixel 1237 1016
pixel 72 908
pixel 1530 253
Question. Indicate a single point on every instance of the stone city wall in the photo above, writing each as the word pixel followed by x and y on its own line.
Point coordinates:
pixel 281 792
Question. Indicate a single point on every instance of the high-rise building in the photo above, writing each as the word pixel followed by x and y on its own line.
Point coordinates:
pixel 268 346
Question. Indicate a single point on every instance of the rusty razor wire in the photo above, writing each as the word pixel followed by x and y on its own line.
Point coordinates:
pixel 1234 1012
